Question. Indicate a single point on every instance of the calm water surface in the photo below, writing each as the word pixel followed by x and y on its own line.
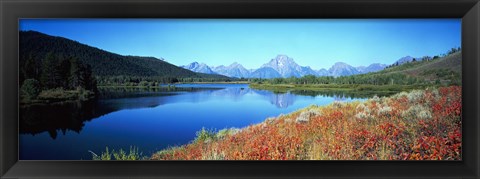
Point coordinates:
pixel 150 119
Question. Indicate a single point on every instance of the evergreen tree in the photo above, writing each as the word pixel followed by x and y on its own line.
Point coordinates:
pixel 30 89
pixel 64 70
pixel 30 68
pixel 51 76
pixel 74 78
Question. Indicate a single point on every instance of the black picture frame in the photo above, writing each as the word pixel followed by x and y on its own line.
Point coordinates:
pixel 12 10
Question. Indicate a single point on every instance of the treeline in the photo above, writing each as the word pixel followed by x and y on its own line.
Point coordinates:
pixel 150 81
pixel 373 79
pixel 54 72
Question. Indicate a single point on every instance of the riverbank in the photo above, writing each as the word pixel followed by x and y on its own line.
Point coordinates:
pixel 148 85
pixel 337 87
pixel 418 125
pixel 58 96
pixel 224 82
pixel 168 85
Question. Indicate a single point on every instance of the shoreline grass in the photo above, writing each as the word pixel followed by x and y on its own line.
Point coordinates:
pixel 133 154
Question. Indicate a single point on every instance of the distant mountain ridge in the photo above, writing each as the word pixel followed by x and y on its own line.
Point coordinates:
pixel 406 59
pixel 199 67
pixel 342 69
pixel 233 70
pixel 283 66
pixel 374 67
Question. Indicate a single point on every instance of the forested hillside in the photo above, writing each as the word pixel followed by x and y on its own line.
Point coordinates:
pixel 35 45
pixel 447 69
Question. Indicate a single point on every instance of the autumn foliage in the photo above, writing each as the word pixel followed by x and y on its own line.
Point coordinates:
pixel 418 125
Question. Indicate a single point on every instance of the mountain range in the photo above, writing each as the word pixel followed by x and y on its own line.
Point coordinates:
pixel 283 66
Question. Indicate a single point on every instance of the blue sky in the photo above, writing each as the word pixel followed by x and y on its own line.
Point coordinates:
pixel 317 43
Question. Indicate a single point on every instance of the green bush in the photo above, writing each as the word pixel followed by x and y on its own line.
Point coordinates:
pixel 30 89
pixel 143 83
pixel 205 135
pixel 84 94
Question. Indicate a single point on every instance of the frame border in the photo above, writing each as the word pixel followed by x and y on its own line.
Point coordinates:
pixel 12 10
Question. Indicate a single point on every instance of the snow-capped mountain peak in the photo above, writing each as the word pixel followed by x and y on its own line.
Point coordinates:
pixel 285 66
pixel 198 67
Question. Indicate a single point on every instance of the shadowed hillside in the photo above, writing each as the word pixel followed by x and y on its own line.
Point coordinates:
pixel 37 45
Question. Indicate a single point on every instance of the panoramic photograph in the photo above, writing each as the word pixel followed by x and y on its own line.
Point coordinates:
pixel 240 89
